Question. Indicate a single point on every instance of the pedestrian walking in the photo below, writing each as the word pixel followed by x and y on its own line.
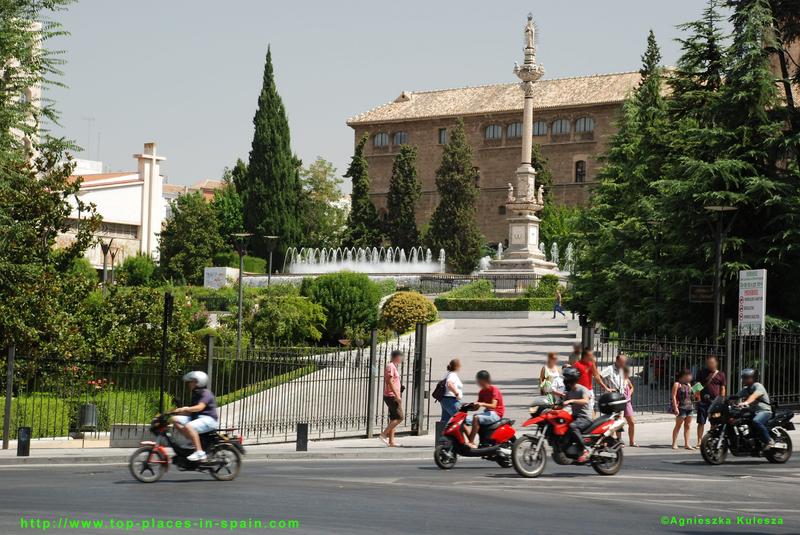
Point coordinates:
pixel 628 392
pixel 714 384
pixel 392 397
pixel 588 370
pixel 551 382
pixel 557 305
pixel 454 390
pixel 682 406
pixel 575 356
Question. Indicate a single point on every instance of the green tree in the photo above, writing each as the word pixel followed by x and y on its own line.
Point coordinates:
pixel 363 225
pixel 350 301
pixel 271 190
pixel 324 219
pixel 290 320
pixel 404 192
pixel 137 270
pixel 190 239
pixel 453 226
pixel 543 174
pixel 228 205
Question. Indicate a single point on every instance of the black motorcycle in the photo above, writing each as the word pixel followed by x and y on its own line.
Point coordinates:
pixel 732 430
pixel 151 461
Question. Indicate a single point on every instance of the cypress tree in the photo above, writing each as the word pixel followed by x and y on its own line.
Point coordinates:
pixel 453 225
pixel 363 225
pixel 271 189
pixel 404 192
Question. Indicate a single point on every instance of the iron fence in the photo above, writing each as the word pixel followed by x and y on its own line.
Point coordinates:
pixel 504 283
pixel 655 361
pixel 263 393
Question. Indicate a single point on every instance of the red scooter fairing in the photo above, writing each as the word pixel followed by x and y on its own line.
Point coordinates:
pixel 495 441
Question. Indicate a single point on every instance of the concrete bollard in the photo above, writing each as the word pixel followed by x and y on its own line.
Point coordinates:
pixel 302 437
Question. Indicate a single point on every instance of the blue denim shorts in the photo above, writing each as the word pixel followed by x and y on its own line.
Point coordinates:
pixel 485 418
pixel 685 413
pixel 201 424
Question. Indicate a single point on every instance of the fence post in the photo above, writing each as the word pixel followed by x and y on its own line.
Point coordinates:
pixel 420 385
pixel 209 358
pixel 9 391
pixel 728 354
pixel 373 362
pixel 164 341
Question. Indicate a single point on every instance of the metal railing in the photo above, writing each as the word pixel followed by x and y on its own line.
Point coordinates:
pixel 504 283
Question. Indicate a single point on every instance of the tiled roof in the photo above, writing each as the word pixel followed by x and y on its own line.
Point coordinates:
pixel 207 184
pixel 556 93
pixel 102 176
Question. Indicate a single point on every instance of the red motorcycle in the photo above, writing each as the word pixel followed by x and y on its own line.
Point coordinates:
pixel 494 441
pixel 550 424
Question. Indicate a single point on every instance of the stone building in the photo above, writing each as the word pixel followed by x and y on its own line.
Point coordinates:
pixel 573 123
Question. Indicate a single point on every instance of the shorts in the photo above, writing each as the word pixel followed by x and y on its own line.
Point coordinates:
pixel 685 413
pixel 702 412
pixel 394 407
pixel 485 418
pixel 201 424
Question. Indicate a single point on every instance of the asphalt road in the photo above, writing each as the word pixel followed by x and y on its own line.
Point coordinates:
pixel 389 497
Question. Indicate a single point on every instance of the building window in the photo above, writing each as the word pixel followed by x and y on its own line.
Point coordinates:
pixel 580 171
pixel 539 128
pixel 560 127
pixel 442 136
pixel 514 130
pixel 493 131
pixel 584 125
pixel 400 138
pixel 381 140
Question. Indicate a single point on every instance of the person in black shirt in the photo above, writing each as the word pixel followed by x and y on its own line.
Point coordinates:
pixel 714 384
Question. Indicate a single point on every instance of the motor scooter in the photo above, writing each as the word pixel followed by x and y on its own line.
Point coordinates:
pixel 494 441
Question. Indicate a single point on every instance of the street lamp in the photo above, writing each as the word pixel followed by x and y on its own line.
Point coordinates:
pixel 271 241
pixel 239 242
pixel 105 247
pixel 721 234
pixel 113 253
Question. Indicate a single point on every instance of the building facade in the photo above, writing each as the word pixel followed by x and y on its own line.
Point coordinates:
pixel 573 123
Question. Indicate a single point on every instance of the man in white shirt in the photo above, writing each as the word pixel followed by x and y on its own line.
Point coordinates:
pixel 614 375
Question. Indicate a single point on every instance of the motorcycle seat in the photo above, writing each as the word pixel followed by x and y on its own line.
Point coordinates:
pixel 501 421
pixel 597 423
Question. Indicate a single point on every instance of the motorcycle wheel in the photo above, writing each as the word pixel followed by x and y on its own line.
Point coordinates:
pixel 608 467
pixel 143 469
pixel 711 454
pixel 227 462
pixel 780 456
pixel 529 457
pixel 445 455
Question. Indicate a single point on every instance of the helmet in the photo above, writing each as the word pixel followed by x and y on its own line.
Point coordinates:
pixel 748 373
pixel 200 377
pixel 571 375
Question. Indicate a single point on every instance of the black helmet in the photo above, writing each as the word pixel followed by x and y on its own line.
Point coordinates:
pixel 483 375
pixel 571 375
pixel 748 373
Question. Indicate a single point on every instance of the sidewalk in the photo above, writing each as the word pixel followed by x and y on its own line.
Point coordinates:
pixel 653 437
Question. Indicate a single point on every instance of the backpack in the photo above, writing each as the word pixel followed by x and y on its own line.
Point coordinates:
pixel 441 389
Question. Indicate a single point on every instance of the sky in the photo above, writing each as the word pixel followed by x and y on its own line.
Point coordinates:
pixel 187 73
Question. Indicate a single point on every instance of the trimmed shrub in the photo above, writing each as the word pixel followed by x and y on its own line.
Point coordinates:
pixel 252 264
pixel 386 286
pixel 291 320
pixel 137 270
pixel 479 289
pixel 494 304
pixel 349 299
pixel 404 310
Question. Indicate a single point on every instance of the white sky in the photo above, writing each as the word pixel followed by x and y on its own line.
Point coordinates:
pixel 187 73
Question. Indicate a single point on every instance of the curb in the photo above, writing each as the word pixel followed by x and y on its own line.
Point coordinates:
pixel 412 454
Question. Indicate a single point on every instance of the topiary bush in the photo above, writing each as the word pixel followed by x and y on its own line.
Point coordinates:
pixel 404 310
pixel 349 299
pixel 479 289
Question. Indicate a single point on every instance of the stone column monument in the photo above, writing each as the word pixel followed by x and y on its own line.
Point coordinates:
pixel 524 200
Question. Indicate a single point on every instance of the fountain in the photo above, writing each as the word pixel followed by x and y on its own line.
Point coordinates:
pixel 554 253
pixel 569 259
pixel 308 260
pixel 500 251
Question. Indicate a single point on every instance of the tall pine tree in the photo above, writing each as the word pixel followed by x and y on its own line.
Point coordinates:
pixel 453 226
pixel 271 189
pixel 404 192
pixel 363 225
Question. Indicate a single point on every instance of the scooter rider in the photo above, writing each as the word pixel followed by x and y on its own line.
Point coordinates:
pixel 200 416
pixel 753 393
pixel 579 398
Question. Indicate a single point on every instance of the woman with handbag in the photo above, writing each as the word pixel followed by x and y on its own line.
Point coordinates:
pixel 551 383
pixel 682 406
pixel 453 390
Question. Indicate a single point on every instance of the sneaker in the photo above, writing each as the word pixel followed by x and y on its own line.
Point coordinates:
pixel 197 456
pixel 769 445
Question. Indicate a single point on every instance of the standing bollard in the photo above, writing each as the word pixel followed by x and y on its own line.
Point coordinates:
pixel 23 442
pixel 302 437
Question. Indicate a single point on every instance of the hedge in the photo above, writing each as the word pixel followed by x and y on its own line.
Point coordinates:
pixel 479 289
pixel 494 304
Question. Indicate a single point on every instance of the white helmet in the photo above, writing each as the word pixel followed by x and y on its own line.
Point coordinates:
pixel 200 377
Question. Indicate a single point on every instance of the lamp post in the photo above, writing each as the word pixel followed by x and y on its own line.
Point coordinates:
pixel 721 233
pixel 113 253
pixel 239 242
pixel 271 241
pixel 105 247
